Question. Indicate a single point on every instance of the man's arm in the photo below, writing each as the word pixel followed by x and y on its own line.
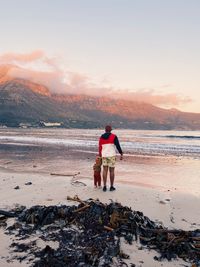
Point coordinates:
pixel 116 142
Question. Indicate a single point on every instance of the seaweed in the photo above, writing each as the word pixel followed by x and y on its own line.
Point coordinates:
pixel 89 234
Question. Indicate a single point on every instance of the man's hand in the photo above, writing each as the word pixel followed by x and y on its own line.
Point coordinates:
pixel 121 157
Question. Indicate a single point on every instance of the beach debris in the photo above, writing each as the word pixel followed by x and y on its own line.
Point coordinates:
pixel 3 220
pixel 65 174
pixel 7 213
pixel 171 217
pixel 162 202
pixel 89 234
pixel 28 183
pixel 74 180
pixel 17 187
pixel 49 199
pixel 77 183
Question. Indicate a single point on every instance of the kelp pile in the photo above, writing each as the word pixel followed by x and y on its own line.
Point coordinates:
pixel 89 234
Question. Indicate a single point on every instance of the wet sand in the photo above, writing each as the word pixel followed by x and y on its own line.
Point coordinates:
pixel 170 172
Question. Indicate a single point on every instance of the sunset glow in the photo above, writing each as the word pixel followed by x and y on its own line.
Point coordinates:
pixel 137 50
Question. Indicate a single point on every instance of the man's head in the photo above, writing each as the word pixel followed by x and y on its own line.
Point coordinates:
pixel 108 129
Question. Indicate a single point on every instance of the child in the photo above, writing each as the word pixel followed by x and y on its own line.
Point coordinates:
pixel 97 171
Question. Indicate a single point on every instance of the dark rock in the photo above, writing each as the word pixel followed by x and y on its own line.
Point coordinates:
pixel 17 187
pixel 28 183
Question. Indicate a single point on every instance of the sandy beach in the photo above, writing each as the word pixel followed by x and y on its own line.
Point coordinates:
pixel 165 188
pixel 174 209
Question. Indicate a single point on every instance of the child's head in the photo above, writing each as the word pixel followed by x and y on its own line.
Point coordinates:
pixel 98 160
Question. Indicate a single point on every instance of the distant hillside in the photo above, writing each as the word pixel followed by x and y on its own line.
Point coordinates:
pixel 22 101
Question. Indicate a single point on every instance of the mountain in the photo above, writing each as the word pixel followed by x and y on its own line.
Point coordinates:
pixel 129 114
pixel 22 101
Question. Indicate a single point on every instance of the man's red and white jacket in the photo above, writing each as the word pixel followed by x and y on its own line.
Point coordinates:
pixel 108 143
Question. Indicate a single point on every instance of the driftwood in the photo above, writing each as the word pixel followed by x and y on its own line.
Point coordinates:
pixel 77 199
pixel 65 174
pixel 161 230
pixel 82 208
pixel 108 228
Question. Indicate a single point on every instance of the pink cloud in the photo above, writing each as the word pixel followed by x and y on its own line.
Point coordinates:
pixel 150 96
pixel 60 81
pixel 21 58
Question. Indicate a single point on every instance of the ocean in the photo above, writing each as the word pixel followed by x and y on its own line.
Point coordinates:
pixel 165 159
pixel 179 143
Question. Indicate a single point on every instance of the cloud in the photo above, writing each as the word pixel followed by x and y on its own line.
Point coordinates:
pixel 153 97
pixel 10 58
pixel 36 67
pixel 52 80
pixel 39 68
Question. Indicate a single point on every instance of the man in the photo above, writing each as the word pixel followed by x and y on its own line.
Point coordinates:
pixel 108 143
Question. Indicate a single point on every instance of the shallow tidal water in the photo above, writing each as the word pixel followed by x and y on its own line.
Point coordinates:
pixel 162 159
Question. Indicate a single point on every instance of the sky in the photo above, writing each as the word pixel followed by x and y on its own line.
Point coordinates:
pixel 145 50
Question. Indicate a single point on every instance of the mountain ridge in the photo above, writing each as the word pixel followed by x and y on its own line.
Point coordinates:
pixel 22 101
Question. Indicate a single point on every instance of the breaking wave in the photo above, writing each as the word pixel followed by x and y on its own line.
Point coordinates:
pixel 184 136
pixel 132 142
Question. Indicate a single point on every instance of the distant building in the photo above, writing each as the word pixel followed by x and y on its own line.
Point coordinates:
pixel 24 125
pixel 51 124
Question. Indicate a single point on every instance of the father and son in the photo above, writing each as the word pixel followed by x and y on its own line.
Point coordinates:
pixel 108 143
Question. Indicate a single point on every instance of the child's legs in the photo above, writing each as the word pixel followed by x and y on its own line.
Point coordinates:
pixel 95 178
pixel 99 179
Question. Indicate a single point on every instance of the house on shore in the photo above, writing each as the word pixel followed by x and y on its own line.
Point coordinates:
pixel 51 124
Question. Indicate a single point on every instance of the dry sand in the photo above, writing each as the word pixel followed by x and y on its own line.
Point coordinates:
pixel 173 208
